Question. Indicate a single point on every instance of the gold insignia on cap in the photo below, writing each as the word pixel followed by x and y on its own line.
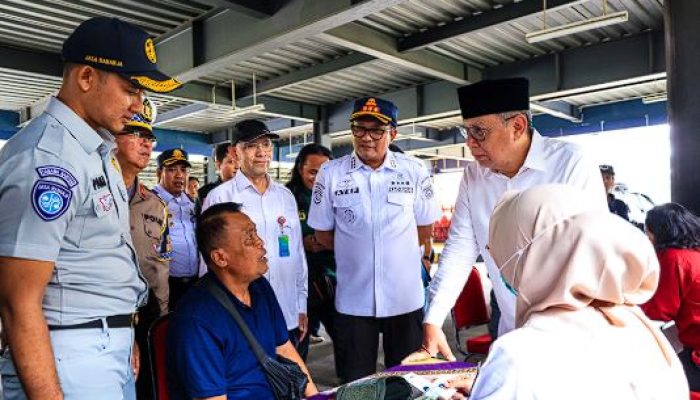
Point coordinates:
pixel 147 110
pixel 150 50
pixel 177 154
pixel 371 106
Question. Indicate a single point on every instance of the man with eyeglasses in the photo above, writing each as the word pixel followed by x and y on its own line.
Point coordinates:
pixel 173 168
pixel 69 277
pixel 273 209
pixel 375 207
pixel 148 217
pixel 509 155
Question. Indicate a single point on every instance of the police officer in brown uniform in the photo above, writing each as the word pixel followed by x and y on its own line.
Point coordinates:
pixel 148 217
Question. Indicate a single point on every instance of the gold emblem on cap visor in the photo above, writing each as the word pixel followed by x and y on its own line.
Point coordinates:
pixel 157 86
pixel 150 50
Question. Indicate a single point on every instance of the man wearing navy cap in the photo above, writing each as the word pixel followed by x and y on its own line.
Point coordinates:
pixel 173 170
pixel 508 155
pixel 375 207
pixel 69 277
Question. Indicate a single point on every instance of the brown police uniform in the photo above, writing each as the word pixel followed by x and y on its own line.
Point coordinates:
pixel 149 231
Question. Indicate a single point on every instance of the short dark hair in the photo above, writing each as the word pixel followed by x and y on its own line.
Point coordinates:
pixel 221 151
pixel 211 226
pixel 673 226
pixel 193 178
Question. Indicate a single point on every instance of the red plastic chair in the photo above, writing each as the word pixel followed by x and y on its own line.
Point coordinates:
pixel 470 310
pixel 157 351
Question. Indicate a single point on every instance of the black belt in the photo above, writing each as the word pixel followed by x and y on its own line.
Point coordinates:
pixel 184 279
pixel 113 321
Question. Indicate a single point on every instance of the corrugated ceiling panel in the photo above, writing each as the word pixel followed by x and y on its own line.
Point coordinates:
pixel 44 24
pixel 299 55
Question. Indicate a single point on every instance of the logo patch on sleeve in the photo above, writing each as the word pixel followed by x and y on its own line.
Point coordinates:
pixel 319 191
pixel 61 173
pixel 50 199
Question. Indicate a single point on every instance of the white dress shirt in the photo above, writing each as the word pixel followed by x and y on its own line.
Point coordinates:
pixel 548 161
pixel 275 214
pixel 375 214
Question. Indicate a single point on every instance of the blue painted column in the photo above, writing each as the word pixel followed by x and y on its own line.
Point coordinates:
pixel 682 65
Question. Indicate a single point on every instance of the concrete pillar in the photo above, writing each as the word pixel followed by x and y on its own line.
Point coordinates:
pixel 682 65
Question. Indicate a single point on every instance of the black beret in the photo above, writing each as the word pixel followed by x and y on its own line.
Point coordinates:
pixel 494 96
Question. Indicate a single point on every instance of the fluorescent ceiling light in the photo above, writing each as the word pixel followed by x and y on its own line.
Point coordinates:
pixel 655 98
pixel 576 27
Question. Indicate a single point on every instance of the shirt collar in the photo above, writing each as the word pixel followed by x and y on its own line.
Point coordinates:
pixel 356 163
pixel 535 156
pixel 242 182
pixel 167 196
pixel 78 128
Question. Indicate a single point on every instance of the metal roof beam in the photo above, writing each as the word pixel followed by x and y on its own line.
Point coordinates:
pixel 50 64
pixel 613 64
pixel 559 109
pixel 180 113
pixel 254 8
pixel 382 46
pixel 221 47
pixel 484 20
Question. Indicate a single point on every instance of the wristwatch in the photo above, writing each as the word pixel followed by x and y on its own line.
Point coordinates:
pixel 426 258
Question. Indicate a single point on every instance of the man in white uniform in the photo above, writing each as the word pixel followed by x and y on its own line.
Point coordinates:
pixel 273 209
pixel 375 207
pixel 510 155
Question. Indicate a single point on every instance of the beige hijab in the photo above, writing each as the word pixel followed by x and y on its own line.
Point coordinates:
pixel 588 267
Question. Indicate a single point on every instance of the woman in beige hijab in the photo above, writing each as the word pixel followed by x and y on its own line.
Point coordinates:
pixel 578 275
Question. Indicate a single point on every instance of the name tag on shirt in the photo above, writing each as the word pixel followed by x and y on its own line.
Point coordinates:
pixel 283 244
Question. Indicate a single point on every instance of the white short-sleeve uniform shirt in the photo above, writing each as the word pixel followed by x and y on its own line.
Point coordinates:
pixel 375 214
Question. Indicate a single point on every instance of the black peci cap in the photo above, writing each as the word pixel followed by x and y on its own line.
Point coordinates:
pixel 113 45
pixel 494 97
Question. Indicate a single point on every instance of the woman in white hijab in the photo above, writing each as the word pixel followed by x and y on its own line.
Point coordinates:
pixel 578 275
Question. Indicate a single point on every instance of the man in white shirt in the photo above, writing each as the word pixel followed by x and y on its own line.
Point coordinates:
pixel 273 209
pixel 509 155
pixel 375 207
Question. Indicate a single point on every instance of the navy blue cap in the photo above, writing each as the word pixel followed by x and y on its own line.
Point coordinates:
pixel 113 45
pixel 383 110
pixel 494 97
pixel 251 129
pixel 173 156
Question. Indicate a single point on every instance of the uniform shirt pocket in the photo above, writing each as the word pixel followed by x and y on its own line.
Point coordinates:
pixel 404 200
pixel 348 209
pixel 96 224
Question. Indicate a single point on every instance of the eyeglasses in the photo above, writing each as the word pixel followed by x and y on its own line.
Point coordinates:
pixel 265 145
pixel 478 133
pixel 139 134
pixel 360 131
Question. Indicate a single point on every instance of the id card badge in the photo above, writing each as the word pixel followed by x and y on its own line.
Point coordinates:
pixel 283 244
